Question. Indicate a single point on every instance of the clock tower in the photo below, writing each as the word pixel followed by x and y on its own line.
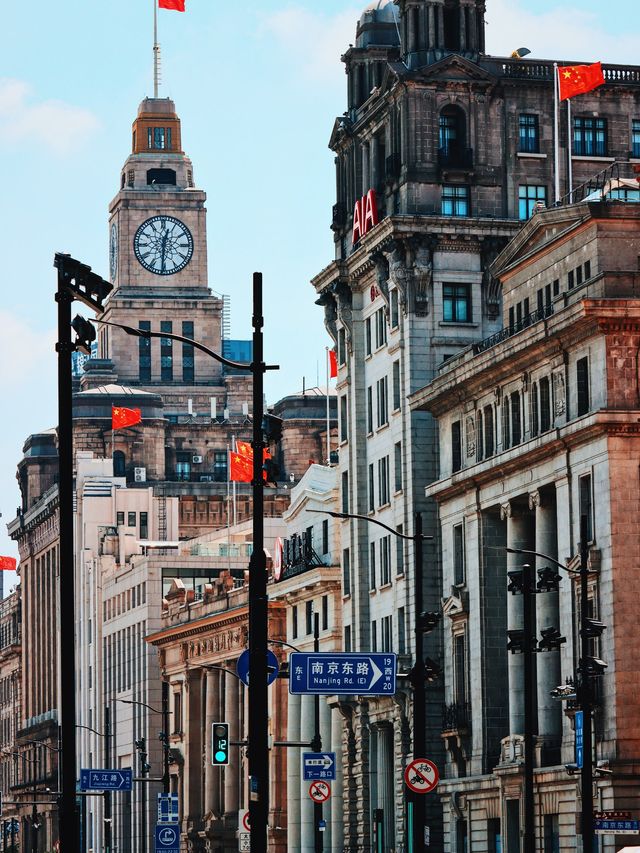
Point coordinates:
pixel 158 266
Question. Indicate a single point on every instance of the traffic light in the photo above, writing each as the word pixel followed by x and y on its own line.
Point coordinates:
pixel 271 429
pixel 428 621
pixel 551 640
pixel 516 643
pixel 270 469
pixel 141 745
pixel 595 667
pixel 548 580
pixel 593 629
pixel 220 744
pixel 516 582
pixel 85 334
pixel 432 671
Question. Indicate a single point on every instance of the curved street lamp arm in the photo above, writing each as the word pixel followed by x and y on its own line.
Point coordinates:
pixel 544 557
pixel 224 669
pixel 282 643
pixel 79 726
pixel 52 748
pixel 371 521
pixel 143 704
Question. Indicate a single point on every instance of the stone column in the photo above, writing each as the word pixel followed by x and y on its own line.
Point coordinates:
pixel 517 537
pixel 472 34
pixel 307 730
pixel 384 773
pixel 232 716
pixel 294 789
pixel 365 164
pixel 440 32
pixel 547 616
pixel 337 812
pixel 193 739
pixel 463 27
pixel 211 773
pixel 432 37
pixel 411 33
pixel 373 163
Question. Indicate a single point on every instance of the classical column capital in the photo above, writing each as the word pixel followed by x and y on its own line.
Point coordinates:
pixel 535 499
pixel 505 510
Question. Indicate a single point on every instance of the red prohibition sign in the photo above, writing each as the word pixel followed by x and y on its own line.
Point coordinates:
pixel 319 791
pixel 245 822
pixel 421 776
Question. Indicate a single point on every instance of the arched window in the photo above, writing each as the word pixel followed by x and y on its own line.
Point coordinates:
pixel 489 443
pixel 452 139
pixel 119 468
pixel 516 420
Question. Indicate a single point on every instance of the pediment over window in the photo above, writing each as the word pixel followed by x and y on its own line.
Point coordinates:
pixel 456 606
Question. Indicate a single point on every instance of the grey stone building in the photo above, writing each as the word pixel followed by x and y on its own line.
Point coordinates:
pixel 538 429
pixel 441 155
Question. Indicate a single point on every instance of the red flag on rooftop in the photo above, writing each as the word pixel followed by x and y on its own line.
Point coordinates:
pixel 176 5
pixel 8 564
pixel 579 79
pixel 333 364
pixel 121 417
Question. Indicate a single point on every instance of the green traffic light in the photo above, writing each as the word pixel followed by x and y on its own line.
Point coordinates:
pixel 221 756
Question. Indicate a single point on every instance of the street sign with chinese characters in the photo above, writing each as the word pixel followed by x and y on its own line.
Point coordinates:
pixel 355 674
pixel 617 827
pixel 244 842
pixel 106 780
pixel 318 765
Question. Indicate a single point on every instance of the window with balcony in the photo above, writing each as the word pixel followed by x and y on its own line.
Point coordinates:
pixel 589 136
pixel 529 133
pixel 460 681
pixel 455 200
pixel 530 198
pixel 456 303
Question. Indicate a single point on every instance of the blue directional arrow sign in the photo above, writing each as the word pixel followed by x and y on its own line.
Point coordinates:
pixel 355 674
pixel 167 839
pixel 318 765
pixel 106 780
pixel 242 667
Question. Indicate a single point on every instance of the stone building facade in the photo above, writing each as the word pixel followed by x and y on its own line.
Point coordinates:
pixel 441 155
pixel 538 430
pixel 10 714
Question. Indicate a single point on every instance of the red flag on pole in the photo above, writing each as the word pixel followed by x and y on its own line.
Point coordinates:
pixel 175 5
pixel 121 417
pixel 8 564
pixel 333 364
pixel 579 79
pixel 240 466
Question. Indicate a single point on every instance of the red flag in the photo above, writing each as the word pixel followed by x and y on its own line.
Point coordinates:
pixel 240 467
pixel 121 417
pixel 8 564
pixel 578 79
pixel 245 450
pixel 333 364
pixel 176 5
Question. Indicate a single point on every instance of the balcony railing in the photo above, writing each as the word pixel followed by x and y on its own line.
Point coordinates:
pixel 543 70
pixel 455 157
pixel 456 717
pixel 529 320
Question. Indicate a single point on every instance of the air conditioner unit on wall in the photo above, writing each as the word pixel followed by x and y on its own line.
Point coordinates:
pixel 197 460
pixel 140 475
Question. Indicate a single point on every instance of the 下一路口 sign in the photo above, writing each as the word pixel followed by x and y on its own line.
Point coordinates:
pixel 355 674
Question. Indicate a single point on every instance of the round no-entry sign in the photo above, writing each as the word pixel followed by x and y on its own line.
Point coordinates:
pixel 319 791
pixel 245 822
pixel 421 776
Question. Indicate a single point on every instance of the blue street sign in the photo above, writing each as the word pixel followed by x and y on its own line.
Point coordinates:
pixel 355 674
pixel 168 808
pixel 167 839
pixel 617 827
pixel 318 765
pixel 106 780
pixel 579 724
pixel 242 667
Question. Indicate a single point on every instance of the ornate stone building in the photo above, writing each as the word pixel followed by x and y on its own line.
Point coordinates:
pixel 10 721
pixel 539 429
pixel 441 155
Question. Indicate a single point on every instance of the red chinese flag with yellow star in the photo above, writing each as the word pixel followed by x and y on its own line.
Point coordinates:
pixel 579 79
pixel 8 564
pixel 240 467
pixel 175 5
pixel 121 417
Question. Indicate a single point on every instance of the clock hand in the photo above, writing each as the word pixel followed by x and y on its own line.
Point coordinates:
pixel 163 250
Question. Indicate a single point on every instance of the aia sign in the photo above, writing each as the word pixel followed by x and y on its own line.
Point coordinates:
pixel 365 216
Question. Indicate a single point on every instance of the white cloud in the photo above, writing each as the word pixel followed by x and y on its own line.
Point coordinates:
pixel 566 32
pixel 24 352
pixel 314 41
pixel 55 124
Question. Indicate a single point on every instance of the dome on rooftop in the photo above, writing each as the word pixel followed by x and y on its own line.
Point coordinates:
pixel 377 24
pixel 383 10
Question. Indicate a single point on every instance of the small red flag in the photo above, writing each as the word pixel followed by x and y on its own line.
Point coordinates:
pixel 240 468
pixel 579 79
pixel 8 564
pixel 333 364
pixel 176 5
pixel 121 417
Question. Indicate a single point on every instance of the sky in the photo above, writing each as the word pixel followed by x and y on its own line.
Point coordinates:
pixel 257 92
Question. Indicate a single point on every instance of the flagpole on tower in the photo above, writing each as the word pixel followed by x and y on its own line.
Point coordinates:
pixel 556 133
pixel 569 151
pixel 156 50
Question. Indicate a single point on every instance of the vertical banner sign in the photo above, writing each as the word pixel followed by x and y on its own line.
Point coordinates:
pixel 579 723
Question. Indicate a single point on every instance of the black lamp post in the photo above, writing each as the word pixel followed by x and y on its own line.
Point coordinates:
pixel 107 818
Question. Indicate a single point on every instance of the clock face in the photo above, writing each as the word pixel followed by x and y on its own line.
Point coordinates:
pixel 163 245
pixel 113 252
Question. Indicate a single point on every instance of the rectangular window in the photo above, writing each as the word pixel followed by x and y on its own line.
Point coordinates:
pixel 530 196
pixel 383 481
pixel 372 565
pixel 399 550
pixel 402 632
pixel 370 409
pixel 570 279
pixel 556 288
pixel 456 446
pixel 395 314
pixel 551 834
pixel 397 466
pixel 374 636
pixel 455 200
pixel 489 442
pixel 506 424
pixel 516 419
pixel 294 621
pixel 345 491
pixel 325 612
pixel 635 138
pixel 309 616
pixel 347 638
pixel 144 525
pixel 578 276
pixel 582 378
pixel 344 421
pixel 220 466
pixel 547 294
pixel 158 137
pixel 372 488
pixel 387 634
pixel 586 506
pixel 396 385
pixel 459 567
pixel 325 537
pixel 119 518
pixel 456 303
pixel 589 136
pixel 177 713
pixel 381 328
pixel 382 399
pixel 512 317
pixel 166 352
pixel 545 404
pixel 131 519
pixel 144 352
pixel 460 668
pixel 385 560
pixel 188 359
pixel 587 270
pixel 368 345
pixel 346 572
pixel 529 134
pixel 342 347
pixel 540 295
pixel 494 833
